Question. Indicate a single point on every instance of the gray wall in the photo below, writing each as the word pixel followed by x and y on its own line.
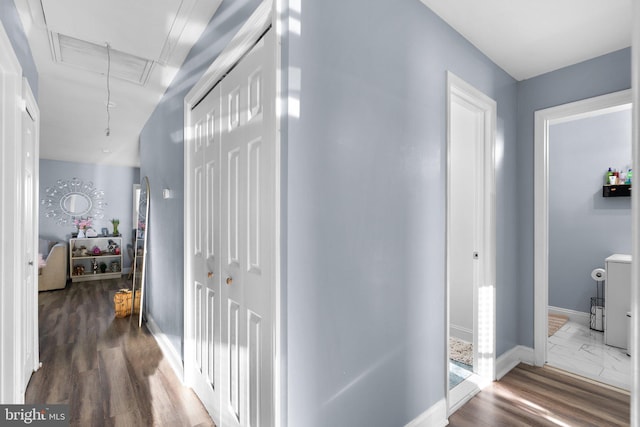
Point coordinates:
pixel 584 227
pixel 363 200
pixel 365 209
pixel 13 27
pixel 117 184
pixel 161 159
pixel 599 76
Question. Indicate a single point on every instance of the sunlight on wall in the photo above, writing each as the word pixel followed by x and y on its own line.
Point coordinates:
pixel 486 330
pixel 499 149
pixel 294 107
pixel 288 24
pixel 295 26
pixel 167 74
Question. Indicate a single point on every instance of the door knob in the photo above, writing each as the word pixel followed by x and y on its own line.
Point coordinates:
pixel 210 275
pixel 229 280
pixel 30 262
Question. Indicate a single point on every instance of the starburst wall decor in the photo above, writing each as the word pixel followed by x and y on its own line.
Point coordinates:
pixel 70 199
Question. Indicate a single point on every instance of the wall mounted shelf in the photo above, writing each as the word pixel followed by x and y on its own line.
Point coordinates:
pixel 623 190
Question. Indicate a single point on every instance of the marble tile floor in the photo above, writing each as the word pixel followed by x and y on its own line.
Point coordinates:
pixel 577 349
pixel 458 372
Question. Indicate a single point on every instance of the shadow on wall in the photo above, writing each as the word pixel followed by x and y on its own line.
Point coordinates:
pixel 607 203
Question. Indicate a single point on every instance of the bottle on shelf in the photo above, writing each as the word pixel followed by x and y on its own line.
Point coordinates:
pixel 629 176
pixel 608 177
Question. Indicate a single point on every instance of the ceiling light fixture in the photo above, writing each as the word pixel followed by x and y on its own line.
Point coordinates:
pixel 108 130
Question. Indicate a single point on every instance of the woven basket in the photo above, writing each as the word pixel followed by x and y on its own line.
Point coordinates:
pixel 122 303
pixel 136 303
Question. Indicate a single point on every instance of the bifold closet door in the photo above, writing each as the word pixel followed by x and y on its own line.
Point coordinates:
pixel 248 237
pixel 233 179
pixel 205 248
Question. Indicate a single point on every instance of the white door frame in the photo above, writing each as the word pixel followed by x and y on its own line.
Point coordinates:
pixel 635 222
pixel 11 250
pixel 543 120
pixel 31 109
pixel 484 290
pixel 242 42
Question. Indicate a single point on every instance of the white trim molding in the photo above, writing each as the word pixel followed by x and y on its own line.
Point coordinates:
pixel 543 120
pixel 484 292
pixel 168 350
pixel 12 385
pixel 435 416
pixel 635 222
pixel 241 43
pixel 512 358
pixel 575 316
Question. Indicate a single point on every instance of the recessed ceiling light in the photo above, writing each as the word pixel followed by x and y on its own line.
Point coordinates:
pixel 106 150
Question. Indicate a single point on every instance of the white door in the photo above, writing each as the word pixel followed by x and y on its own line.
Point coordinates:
pixel 471 231
pixel 232 243
pixel 29 225
pixel 248 237
pixel 465 195
pixel 205 247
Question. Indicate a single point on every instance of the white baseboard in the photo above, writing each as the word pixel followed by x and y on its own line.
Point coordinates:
pixel 463 392
pixel 169 352
pixel 436 416
pixel 511 358
pixel 575 316
pixel 461 333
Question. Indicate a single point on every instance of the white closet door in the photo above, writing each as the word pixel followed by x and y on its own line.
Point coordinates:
pixel 248 237
pixel 205 229
pixel 232 179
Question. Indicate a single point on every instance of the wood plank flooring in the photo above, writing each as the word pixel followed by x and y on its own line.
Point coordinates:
pixel 109 371
pixel 531 396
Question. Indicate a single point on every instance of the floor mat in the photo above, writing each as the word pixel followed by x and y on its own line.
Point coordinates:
pixel 458 372
pixel 556 321
pixel 461 351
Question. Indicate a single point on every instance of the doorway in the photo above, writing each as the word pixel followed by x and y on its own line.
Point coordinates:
pixel 30 178
pixel 471 240
pixel 550 122
pixel 18 227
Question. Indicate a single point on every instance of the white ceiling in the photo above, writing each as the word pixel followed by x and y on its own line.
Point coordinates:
pixel 148 42
pixel 527 38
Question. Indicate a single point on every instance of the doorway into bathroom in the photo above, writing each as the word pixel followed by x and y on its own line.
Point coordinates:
pixel 577 229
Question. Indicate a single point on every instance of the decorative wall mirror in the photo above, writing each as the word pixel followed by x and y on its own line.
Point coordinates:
pixel 140 246
pixel 70 199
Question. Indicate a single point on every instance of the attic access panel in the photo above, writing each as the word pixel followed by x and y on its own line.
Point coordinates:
pixel 140 28
pixel 93 57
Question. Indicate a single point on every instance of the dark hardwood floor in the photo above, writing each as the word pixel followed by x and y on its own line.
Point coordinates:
pixel 530 396
pixel 109 372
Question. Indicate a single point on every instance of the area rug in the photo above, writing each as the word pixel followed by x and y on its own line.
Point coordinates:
pixel 461 351
pixel 556 321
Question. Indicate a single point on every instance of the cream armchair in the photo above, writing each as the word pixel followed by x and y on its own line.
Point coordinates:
pixel 53 275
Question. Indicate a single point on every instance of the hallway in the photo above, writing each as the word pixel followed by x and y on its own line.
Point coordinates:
pixel 108 370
